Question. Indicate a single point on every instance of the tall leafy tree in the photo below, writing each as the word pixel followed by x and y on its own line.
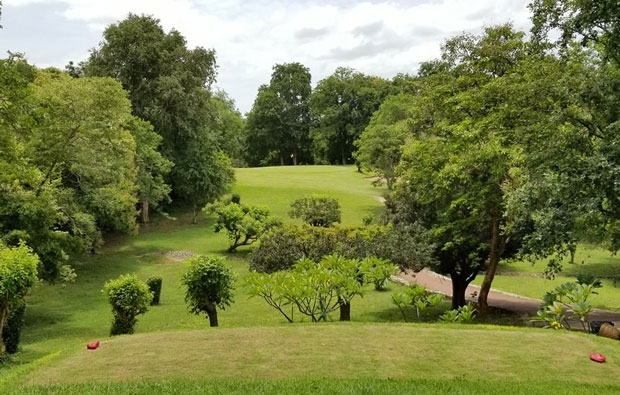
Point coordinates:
pixel 342 106
pixel 169 86
pixel 279 122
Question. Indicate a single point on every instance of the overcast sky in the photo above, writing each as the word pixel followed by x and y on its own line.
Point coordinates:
pixel 249 36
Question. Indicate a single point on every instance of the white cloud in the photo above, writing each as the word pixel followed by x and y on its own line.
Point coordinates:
pixel 379 37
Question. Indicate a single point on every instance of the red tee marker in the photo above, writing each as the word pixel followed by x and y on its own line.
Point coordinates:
pixel 95 345
pixel 596 357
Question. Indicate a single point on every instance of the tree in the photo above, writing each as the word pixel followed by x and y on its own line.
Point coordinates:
pixel 229 127
pixel 456 173
pixel 18 273
pixel 587 20
pixel 209 283
pixel 380 145
pixel 279 122
pixel 169 86
pixel 316 210
pixel 129 297
pixel 342 105
pixel 244 224
pixel 152 168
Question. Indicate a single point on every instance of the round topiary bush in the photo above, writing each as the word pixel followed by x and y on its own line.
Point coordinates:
pixel 129 297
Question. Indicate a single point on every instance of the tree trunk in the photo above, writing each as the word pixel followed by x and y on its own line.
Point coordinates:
pixel 213 319
pixel 345 311
pixel 195 208
pixel 344 160
pixel 459 287
pixel 390 183
pixel 281 160
pixel 3 318
pixel 494 256
pixel 144 211
pixel 294 158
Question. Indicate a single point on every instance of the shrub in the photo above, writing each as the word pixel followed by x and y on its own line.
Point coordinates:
pixel 244 224
pixel 12 329
pixel 416 296
pixel 282 247
pixel 154 284
pixel 236 198
pixel 129 297
pixel 464 314
pixel 209 283
pixel 18 273
pixel 316 210
pixel 573 296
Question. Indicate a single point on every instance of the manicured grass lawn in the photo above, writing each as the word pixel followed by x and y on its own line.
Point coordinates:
pixel 342 351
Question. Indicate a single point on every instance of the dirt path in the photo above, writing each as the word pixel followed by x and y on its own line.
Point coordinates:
pixel 503 300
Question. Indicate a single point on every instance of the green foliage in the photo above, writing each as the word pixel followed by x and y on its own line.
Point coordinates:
pixel 152 167
pixel 129 297
pixel 419 297
pixel 342 105
pixel 573 296
pixel 18 273
pixel 209 283
pixel 13 327
pixel 464 314
pixel 282 247
pixel 377 271
pixel 278 124
pixel 380 145
pixel 316 210
pixel 316 289
pixel 154 284
pixel 244 224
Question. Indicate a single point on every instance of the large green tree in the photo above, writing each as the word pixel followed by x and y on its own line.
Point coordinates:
pixel 169 86
pixel 278 125
pixel 342 106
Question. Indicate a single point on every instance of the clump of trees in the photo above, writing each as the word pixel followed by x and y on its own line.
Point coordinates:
pixel 209 286
pixel 244 224
pixel 316 210
pixel 129 297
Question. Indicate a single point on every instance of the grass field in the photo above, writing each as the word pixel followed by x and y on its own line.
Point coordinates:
pixel 255 350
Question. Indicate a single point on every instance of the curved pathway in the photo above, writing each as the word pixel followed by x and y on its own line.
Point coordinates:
pixel 504 300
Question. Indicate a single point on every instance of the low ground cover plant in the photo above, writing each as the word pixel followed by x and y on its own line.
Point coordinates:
pixel 418 297
pixel 464 314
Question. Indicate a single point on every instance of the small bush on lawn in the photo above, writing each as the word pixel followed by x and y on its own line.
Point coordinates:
pixel 571 296
pixel 464 314
pixel 129 297
pixel 154 284
pixel 316 210
pixel 416 296
pixel 209 283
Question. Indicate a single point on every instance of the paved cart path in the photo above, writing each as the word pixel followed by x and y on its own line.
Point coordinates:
pixel 500 299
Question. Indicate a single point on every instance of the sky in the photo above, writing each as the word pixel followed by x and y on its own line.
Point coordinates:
pixel 249 36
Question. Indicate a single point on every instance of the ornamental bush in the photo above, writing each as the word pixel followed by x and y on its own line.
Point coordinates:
pixel 18 273
pixel 316 210
pixel 209 283
pixel 129 297
pixel 154 284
